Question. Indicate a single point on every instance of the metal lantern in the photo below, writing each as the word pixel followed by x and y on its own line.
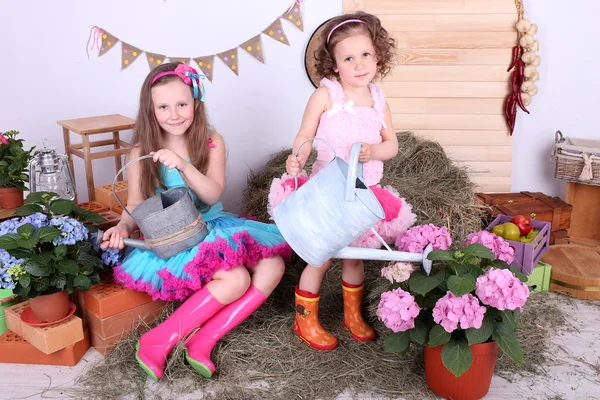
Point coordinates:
pixel 50 172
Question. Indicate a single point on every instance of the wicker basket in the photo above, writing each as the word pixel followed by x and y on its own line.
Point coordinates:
pixel 577 160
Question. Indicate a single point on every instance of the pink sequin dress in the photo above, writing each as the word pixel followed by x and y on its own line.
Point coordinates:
pixel 343 125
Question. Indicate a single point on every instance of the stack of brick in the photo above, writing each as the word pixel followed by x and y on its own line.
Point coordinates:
pixel 106 204
pixel 63 343
pixel 111 312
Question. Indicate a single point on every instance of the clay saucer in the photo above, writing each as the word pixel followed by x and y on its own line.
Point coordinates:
pixel 28 318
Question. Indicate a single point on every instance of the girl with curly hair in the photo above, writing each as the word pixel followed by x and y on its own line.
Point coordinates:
pixel 347 108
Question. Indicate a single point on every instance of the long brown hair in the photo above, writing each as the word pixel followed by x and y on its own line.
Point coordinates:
pixel 148 135
pixel 384 44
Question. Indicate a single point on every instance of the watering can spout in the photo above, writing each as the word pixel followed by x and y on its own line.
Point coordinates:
pixel 138 244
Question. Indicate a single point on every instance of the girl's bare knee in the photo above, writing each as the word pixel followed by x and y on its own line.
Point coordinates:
pixel 238 279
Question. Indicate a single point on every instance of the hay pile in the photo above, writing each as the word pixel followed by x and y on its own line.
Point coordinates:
pixel 440 191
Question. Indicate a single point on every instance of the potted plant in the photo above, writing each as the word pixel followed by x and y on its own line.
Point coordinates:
pixel 47 252
pixel 14 161
pixel 461 313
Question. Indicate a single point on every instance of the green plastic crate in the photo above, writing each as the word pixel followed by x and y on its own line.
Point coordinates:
pixel 539 280
pixel 4 293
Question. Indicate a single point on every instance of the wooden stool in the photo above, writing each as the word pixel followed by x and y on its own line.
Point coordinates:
pixel 92 126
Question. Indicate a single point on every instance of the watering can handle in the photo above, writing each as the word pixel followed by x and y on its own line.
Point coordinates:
pixel 123 169
pixel 357 166
pixel 354 171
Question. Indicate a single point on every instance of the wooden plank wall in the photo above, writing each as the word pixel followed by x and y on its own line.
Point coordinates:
pixel 451 80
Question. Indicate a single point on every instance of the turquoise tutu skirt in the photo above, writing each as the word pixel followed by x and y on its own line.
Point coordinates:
pixel 232 240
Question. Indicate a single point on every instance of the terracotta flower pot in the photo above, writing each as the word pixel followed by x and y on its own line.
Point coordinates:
pixel 11 197
pixel 50 307
pixel 473 384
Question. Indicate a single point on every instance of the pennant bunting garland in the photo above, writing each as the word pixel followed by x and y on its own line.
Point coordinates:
pixel 275 31
pixel 108 42
pixel 252 46
pixel 206 65
pixel 129 54
pixel 154 60
pixel 230 58
pixel 294 16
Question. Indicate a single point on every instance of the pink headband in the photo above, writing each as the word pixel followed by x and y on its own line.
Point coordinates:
pixel 343 23
pixel 189 76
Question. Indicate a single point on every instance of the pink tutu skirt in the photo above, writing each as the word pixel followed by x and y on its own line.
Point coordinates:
pixel 398 213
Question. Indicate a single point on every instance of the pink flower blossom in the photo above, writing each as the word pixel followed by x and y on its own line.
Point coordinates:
pixel 181 70
pixel 398 272
pixel 418 237
pixel 500 247
pixel 3 140
pixel 501 289
pixel 449 311
pixel 398 310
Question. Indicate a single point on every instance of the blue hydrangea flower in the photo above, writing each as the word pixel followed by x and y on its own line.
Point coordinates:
pixel 7 261
pixel 10 226
pixel 111 257
pixel 71 231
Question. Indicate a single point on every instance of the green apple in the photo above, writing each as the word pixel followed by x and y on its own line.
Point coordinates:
pixel 532 234
pixel 511 232
pixel 498 230
pixel 525 239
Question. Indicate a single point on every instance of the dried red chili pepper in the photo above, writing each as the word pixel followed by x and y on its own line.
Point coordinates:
pixel 521 69
pixel 515 57
pixel 515 81
pixel 507 110
pixel 520 102
pixel 513 112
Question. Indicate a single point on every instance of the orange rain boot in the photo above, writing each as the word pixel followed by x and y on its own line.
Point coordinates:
pixel 307 326
pixel 353 320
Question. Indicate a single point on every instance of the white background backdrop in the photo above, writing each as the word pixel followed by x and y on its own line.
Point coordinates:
pixel 46 75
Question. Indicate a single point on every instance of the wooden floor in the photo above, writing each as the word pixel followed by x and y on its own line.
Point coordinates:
pixel 574 374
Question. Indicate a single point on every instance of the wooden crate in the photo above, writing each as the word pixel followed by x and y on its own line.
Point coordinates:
pixel 575 270
pixel 527 255
pixel 47 339
pixel 585 221
pixel 535 205
pixel 15 349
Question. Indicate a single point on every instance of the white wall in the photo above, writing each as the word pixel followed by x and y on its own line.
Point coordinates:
pixel 46 75
pixel 568 90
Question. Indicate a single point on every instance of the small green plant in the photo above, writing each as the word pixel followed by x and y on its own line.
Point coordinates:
pixel 14 161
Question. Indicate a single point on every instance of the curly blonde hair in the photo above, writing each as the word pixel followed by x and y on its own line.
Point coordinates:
pixel 384 44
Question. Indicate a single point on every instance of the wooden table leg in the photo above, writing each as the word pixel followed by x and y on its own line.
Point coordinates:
pixel 67 139
pixel 118 163
pixel 89 173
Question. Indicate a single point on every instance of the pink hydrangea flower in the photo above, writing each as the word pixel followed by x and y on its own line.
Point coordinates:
pixel 398 272
pixel 500 247
pixel 418 237
pixel 501 289
pixel 3 140
pixel 398 310
pixel 450 311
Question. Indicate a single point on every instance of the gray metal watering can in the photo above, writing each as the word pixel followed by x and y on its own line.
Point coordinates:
pixel 169 221
pixel 331 210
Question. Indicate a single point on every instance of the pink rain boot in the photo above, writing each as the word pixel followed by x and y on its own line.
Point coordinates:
pixel 199 346
pixel 155 345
